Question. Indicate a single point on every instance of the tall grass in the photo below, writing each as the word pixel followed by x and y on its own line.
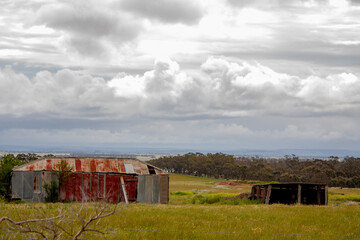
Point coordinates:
pixel 211 216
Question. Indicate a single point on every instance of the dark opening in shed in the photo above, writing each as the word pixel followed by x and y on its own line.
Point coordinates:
pixel 291 193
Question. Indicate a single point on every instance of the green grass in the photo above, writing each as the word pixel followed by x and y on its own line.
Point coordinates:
pixel 215 217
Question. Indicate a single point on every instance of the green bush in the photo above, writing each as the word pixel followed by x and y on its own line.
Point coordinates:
pixel 219 199
pixel 52 191
pixel 7 163
pixel 182 193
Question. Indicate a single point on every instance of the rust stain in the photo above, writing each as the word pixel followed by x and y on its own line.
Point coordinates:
pixel 77 165
pixel 122 166
pixel 48 165
pixel 106 165
pixel 115 165
pixel 92 165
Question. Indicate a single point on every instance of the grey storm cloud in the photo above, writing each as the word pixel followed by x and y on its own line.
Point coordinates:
pixel 168 11
pixel 89 29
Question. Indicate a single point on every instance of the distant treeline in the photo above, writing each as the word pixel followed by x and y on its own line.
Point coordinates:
pixel 335 172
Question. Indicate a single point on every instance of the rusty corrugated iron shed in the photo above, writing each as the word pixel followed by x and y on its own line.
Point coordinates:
pixel 88 164
pixel 93 179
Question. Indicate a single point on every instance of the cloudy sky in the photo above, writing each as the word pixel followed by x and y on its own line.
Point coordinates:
pixel 197 74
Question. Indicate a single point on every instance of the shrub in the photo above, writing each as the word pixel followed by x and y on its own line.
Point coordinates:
pixel 182 193
pixel 219 199
pixel 7 163
pixel 52 191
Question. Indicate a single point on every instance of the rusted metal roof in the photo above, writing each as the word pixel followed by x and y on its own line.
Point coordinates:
pixel 101 165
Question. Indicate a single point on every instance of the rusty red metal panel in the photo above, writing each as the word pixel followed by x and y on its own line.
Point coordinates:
pixel 92 165
pixel 78 186
pixel 86 165
pixel 101 186
pixel 122 167
pixel 70 188
pixel 86 187
pixel 115 165
pixel 94 186
pixel 77 165
pixel 112 188
pixel 131 187
pixel 106 165
pixel 48 165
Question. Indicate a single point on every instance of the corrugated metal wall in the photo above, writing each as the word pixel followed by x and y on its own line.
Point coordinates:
pixel 28 186
pixel 84 187
pixel 153 188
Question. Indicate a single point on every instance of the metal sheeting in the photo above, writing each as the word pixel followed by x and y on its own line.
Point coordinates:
pixel 17 185
pixel 37 186
pixel 153 189
pixel 84 187
pixel 93 179
pixel 105 165
pixel 27 186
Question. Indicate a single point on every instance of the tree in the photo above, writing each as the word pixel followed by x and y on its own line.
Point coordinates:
pixel 63 174
pixel 7 163
pixel 27 157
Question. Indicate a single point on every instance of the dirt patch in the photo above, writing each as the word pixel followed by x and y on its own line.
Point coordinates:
pixel 228 183
pixel 351 203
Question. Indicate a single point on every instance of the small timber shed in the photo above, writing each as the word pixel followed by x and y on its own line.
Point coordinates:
pixel 92 179
pixel 291 193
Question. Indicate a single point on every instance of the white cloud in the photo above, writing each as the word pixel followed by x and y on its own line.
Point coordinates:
pixel 225 89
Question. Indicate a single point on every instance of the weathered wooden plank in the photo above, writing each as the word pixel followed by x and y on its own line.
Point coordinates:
pixel 123 189
pixel 258 192
pixel 318 195
pixel 326 195
pixel 164 189
pixel 268 194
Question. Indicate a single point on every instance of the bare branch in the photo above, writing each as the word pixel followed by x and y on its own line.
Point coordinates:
pixel 28 221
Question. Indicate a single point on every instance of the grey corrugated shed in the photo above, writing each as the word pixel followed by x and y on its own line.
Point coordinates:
pixel 24 187
pixel 153 189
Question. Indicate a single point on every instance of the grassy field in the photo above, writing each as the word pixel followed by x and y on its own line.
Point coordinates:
pixel 181 219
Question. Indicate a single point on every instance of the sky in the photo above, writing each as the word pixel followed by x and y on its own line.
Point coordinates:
pixel 206 75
